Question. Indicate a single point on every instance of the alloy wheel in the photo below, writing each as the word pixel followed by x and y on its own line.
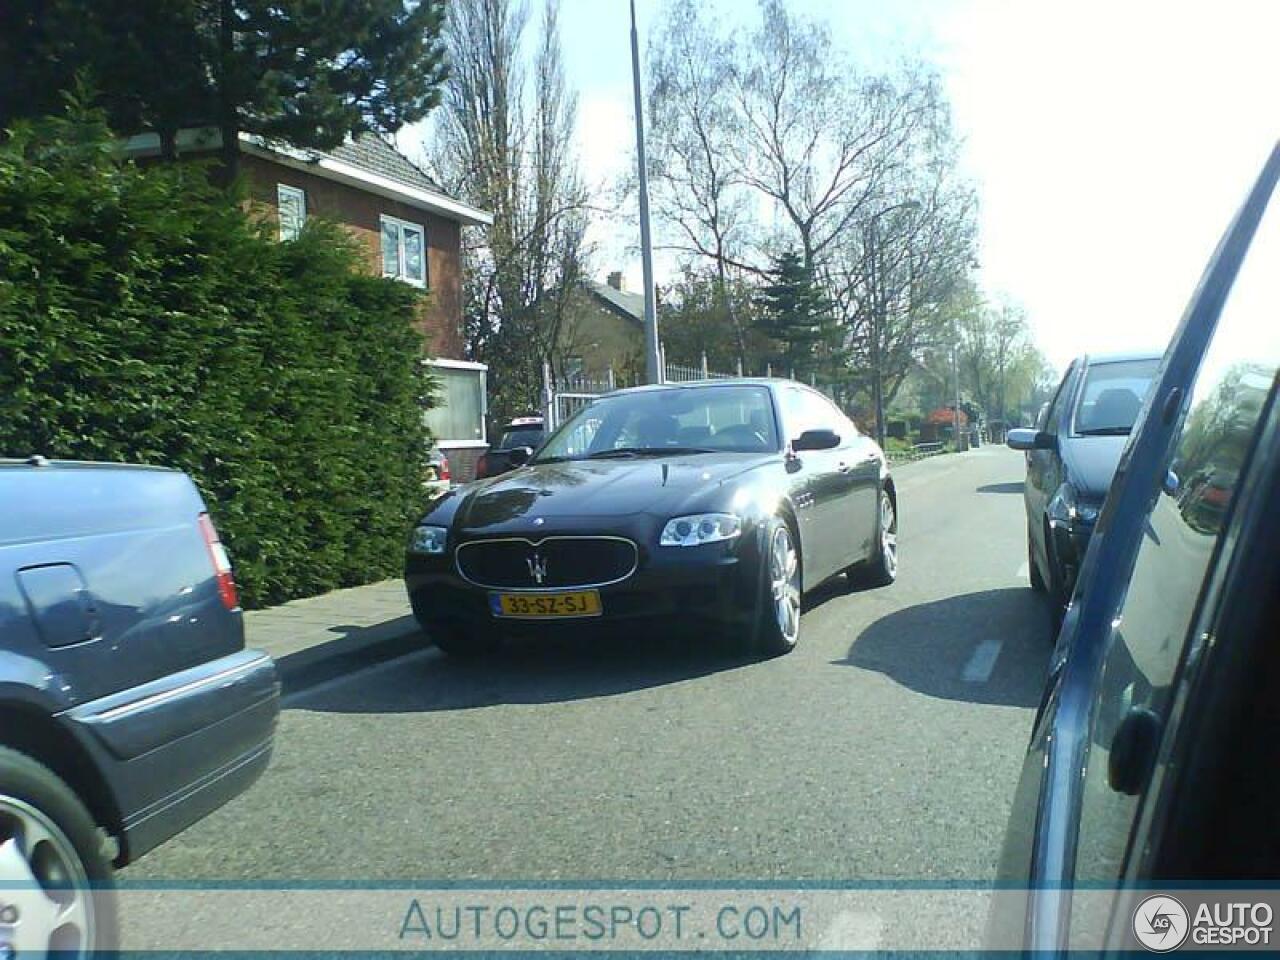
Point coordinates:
pixel 784 579
pixel 46 904
pixel 888 535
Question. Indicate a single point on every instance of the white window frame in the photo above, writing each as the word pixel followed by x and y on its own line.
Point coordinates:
pixel 483 369
pixel 401 226
pixel 284 190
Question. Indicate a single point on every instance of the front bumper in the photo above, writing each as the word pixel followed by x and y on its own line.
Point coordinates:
pixel 717 583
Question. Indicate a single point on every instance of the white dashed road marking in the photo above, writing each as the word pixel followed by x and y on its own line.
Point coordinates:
pixel 983 661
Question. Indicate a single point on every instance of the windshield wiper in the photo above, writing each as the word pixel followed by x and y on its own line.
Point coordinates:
pixel 1105 432
pixel 646 452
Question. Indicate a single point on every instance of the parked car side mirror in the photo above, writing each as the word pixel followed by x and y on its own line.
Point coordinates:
pixel 816 440
pixel 519 456
pixel 1025 438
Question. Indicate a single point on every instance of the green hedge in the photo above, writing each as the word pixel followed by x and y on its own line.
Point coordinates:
pixel 146 317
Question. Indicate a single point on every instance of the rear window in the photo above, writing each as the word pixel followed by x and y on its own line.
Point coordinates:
pixel 520 437
pixel 1112 396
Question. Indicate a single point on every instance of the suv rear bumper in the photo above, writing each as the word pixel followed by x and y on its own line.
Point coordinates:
pixel 177 748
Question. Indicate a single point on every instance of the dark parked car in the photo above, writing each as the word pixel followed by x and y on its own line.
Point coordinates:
pixel 1072 454
pixel 129 707
pixel 1154 760
pixel 519 439
pixel 711 502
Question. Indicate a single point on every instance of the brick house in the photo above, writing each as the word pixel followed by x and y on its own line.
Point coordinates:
pixel 604 332
pixel 412 230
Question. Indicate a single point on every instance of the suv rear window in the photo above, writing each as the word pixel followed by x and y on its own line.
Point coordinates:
pixel 1112 396
pixel 529 436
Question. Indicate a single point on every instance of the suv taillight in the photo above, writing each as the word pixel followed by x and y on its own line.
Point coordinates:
pixel 444 468
pixel 221 563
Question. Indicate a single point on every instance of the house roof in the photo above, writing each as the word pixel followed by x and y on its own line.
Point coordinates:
pixel 370 152
pixel 629 305
pixel 366 163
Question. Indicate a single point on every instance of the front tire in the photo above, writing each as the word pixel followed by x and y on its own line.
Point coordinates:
pixel 55 877
pixel 778 627
pixel 882 568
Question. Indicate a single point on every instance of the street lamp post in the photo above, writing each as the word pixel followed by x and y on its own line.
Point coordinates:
pixel 879 314
pixel 654 368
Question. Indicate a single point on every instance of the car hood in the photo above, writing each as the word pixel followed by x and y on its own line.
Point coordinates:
pixel 1091 462
pixel 598 487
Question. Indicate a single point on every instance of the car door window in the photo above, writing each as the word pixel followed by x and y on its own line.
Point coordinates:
pixel 797 413
pixel 1146 645
pixel 1049 422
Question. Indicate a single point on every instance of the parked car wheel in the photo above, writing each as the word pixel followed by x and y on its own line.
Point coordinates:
pixel 882 569
pixel 779 624
pixel 1033 568
pixel 464 643
pixel 56 878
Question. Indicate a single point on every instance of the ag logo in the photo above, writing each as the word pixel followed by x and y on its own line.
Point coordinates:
pixel 1161 923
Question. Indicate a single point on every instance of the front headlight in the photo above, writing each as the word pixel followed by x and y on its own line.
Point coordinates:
pixel 700 528
pixel 428 539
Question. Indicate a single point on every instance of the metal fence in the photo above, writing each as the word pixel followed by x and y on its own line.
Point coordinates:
pixel 562 397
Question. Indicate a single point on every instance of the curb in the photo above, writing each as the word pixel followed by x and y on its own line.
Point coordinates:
pixel 342 655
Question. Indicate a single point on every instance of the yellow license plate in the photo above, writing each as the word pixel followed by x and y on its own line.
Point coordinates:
pixel 581 603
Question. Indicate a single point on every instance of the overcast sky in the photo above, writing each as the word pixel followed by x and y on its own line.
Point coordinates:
pixel 1111 142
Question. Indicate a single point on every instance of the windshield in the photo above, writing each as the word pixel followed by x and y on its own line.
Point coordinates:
pixel 673 421
pixel 1112 396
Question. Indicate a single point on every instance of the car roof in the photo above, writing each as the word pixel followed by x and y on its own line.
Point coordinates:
pixel 772 382
pixel 1093 359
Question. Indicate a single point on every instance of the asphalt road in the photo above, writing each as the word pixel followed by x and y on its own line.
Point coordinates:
pixel 885 748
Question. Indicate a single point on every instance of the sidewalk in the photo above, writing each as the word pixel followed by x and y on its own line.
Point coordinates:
pixel 329 633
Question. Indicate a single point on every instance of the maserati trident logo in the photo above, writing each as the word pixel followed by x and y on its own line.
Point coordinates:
pixel 537 567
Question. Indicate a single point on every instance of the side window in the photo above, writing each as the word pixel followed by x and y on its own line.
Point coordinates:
pixel 291 206
pixel 820 413
pixel 1146 645
pixel 796 414
pixel 1050 417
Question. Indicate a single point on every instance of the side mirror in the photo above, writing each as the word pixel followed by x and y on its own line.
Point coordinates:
pixel 519 456
pixel 816 440
pixel 1024 438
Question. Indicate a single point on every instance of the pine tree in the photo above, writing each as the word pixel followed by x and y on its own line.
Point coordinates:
pixel 796 314
pixel 306 73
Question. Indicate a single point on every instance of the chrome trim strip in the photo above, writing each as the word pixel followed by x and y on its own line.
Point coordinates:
pixel 635 562
pixel 144 703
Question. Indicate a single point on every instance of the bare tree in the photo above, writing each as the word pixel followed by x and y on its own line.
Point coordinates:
pixel 502 139
pixel 698 187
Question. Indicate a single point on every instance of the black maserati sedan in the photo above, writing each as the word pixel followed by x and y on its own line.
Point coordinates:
pixel 710 503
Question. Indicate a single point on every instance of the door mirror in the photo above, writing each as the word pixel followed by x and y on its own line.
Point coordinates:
pixel 519 456
pixel 816 440
pixel 1025 438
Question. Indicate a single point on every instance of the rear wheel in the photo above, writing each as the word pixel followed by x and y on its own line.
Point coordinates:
pixel 55 878
pixel 881 569
pixel 779 624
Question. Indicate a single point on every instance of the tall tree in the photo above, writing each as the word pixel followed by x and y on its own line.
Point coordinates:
pixel 503 140
pixel 298 71
pixel 795 313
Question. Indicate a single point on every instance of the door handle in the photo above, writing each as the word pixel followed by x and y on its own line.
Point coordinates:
pixel 844 467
